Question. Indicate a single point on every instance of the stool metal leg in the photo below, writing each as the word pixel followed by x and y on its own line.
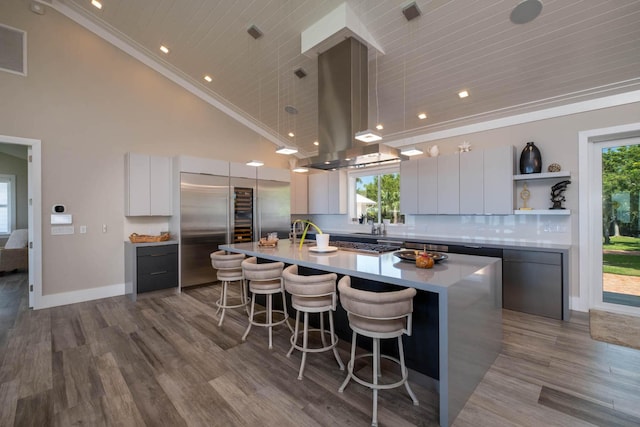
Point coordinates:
pixel 284 308
pixel 270 318
pixel 322 338
pixel 405 373
pixel 223 299
pixel 305 344
pixel 253 308
pixel 376 369
pixel 334 342
pixel 350 363
pixel 294 337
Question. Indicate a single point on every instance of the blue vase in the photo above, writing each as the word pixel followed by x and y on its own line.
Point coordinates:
pixel 530 159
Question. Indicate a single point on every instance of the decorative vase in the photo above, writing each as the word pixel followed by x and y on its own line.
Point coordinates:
pixel 530 159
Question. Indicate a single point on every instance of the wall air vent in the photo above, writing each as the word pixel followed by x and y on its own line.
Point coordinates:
pixel 13 50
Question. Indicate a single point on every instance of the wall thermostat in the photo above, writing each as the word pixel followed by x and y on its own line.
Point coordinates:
pixel 58 209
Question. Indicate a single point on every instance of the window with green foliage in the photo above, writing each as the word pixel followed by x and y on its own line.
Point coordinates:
pixel 375 195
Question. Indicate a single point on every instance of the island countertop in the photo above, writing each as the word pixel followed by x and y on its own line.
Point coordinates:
pixel 384 267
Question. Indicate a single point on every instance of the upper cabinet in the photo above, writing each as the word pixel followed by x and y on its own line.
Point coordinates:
pixel 299 194
pixel 147 185
pixel 472 177
pixel 449 184
pixel 328 192
pixel 498 175
pixel 478 182
pixel 419 186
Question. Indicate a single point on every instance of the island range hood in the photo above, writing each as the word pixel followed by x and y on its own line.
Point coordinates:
pixel 343 110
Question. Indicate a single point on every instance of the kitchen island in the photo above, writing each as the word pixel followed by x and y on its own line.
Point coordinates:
pixel 468 290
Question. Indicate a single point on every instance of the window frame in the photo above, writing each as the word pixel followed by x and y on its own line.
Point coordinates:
pixel 11 202
pixel 352 174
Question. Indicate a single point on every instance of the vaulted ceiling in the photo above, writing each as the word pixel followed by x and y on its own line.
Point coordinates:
pixel 574 50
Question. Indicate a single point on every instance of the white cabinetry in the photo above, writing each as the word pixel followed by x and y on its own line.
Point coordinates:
pixel 299 194
pixel 498 175
pixel 419 186
pixel 147 185
pixel 472 177
pixel 328 193
pixel 449 184
pixel 409 187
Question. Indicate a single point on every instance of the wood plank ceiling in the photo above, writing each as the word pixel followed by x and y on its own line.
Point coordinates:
pixel 575 50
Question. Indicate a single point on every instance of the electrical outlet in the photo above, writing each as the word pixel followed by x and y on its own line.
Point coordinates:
pixel 83 229
pixel 104 228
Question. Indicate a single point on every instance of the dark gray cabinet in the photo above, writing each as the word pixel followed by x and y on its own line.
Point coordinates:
pixel 532 282
pixel 150 267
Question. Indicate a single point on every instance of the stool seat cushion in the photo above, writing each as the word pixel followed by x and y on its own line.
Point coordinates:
pixel 375 325
pixel 230 275
pixel 266 285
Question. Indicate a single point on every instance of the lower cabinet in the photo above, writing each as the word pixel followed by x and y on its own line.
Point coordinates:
pixel 150 267
pixel 532 282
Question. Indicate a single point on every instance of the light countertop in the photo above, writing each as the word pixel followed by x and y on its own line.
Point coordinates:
pixel 384 268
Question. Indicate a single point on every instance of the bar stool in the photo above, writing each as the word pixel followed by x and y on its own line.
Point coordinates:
pixel 312 294
pixel 377 315
pixel 229 268
pixel 265 279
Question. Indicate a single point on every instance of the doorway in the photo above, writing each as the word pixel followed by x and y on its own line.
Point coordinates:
pixel 34 214
pixel 609 219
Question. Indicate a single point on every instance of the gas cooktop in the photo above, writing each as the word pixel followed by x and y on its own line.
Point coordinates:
pixel 369 248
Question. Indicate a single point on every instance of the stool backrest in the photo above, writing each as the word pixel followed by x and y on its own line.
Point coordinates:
pixel 318 290
pixel 223 261
pixel 267 271
pixel 377 305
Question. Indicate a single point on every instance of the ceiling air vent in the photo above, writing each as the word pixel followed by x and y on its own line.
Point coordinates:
pixel 13 50
pixel 411 11
pixel 300 73
pixel 255 32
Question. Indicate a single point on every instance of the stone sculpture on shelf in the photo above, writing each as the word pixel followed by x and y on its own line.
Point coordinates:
pixel 557 196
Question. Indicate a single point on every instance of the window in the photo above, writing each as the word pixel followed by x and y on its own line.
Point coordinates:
pixel 374 195
pixel 7 203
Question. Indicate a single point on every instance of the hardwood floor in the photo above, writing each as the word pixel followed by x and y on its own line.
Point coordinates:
pixel 164 361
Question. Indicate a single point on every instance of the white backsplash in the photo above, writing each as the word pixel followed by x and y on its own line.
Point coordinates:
pixel 518 228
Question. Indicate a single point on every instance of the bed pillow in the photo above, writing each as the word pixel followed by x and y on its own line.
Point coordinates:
pixel 18 239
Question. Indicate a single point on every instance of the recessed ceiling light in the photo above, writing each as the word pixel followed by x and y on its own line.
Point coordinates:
pixel 286 150
pixel 208 78
pixel 422 116
pixel 463 94
pixel 291 134
pixel 379 126
pixel 255 163
pixel 301 170
pixel 96 4
pixel 316 143
pixel 164 49
pixel 410 151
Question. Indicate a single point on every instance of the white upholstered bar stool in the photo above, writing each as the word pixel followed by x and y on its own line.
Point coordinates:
pixel 377 315
pixel 312 294
pixel 229 268
pixel 265 279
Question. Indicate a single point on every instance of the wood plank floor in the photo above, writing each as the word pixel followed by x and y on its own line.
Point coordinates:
pixel 164 361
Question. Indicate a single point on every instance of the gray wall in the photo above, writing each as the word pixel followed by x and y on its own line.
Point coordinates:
pixel 89 104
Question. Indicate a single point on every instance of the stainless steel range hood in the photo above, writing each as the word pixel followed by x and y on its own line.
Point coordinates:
pixel 343 110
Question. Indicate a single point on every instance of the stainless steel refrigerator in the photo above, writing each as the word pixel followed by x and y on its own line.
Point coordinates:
pixel 215 210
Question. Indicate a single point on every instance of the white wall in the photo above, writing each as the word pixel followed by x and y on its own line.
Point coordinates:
pixel 90 103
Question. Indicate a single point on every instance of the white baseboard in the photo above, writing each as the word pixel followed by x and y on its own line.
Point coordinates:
pixel 578 304
pixel 64 298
